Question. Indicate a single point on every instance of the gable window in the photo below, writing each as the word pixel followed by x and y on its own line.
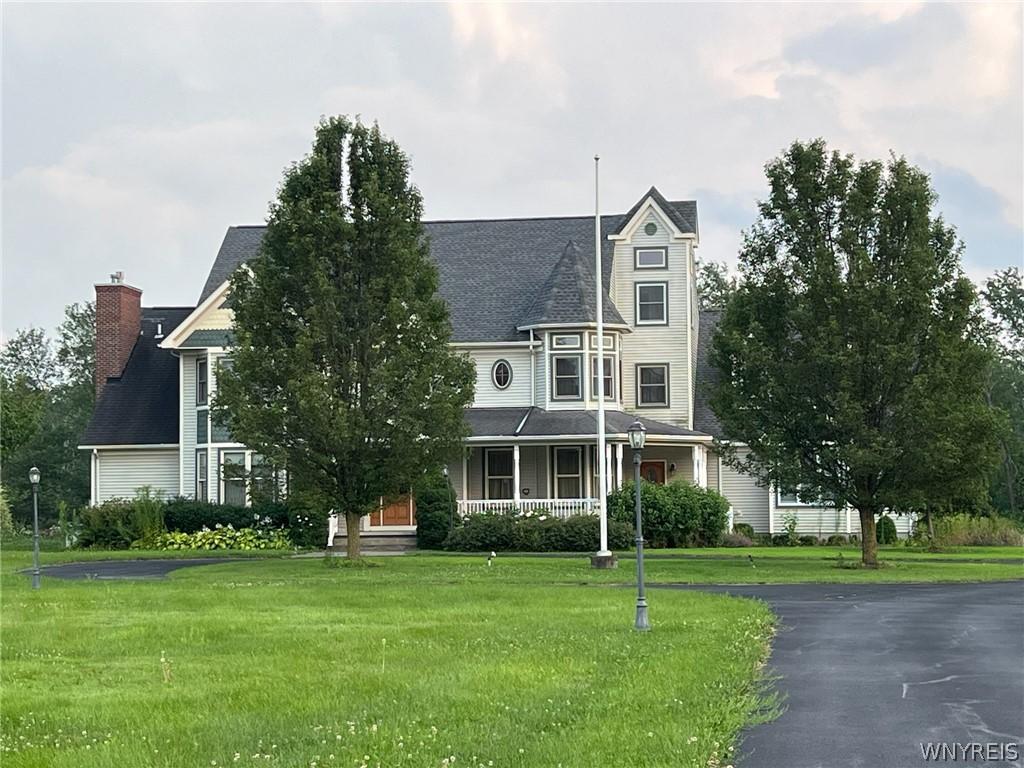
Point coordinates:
pixel 568 473
pixel 202 381
pixel 652 303
pixel 202 467
pixel 566 341
pixel 652 385
pixel 498 473
pixel 650 258
pixel 233 477
pixel 609 378
pixel 501 374
pixel 567 379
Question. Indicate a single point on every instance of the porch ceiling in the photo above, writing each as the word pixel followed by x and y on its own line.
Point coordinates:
pixel 536 423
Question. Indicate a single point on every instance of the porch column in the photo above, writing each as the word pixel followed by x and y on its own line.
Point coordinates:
pixel 465 474
pixel 618 461
pixel 695 457
pixel 515 474
pixel 702 467
pixel 608 468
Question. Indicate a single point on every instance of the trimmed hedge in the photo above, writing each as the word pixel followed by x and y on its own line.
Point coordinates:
pixel 885 530
pixel 435 511
pixel 674 515
pixel 511 533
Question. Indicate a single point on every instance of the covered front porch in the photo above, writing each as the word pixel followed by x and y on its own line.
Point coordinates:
pixel 547 461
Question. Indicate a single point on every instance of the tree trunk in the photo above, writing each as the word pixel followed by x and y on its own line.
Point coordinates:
pixel 931 525
pixel 868 542
pixel 352 535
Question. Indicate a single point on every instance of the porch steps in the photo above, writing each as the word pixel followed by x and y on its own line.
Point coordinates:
pixel 372 542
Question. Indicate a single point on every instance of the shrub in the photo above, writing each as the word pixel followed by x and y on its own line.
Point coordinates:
pixel 837 540
pixel 188 515
pixel 780 540
pixel 809 541
pixel 104 525
pixel 789 523
pixel 539 533
pixel 736 540
pixel 435 511
pixel 307 528
pixel 885 530
pixel 744 529
pixel 968 531
pixel 675 515
pixel 225 537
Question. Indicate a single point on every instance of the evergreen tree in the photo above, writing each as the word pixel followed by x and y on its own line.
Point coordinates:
pixel 342 369
pixel 849 355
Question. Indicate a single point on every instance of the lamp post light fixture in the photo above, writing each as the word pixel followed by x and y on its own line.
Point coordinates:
pixel 637 436
pixel 33 477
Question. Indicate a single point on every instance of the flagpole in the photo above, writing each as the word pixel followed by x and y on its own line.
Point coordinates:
pixel 604 553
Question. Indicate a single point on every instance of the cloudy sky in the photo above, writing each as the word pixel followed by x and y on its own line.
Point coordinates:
pixel 133 135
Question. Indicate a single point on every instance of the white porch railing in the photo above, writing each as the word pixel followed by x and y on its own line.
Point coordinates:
pixel 551 507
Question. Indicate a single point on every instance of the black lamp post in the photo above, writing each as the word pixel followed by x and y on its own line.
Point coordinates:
pixel 33 477
pixel 637 435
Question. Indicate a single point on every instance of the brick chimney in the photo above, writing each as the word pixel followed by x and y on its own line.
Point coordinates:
pixel 118 322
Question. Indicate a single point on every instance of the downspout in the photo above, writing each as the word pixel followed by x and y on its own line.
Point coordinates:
pixel 533 371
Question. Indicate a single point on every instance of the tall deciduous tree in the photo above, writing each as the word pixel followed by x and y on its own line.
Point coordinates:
pixel 342 369
pixel 46 400
pixel 849 353
pixel 715 285
pixel 1004 298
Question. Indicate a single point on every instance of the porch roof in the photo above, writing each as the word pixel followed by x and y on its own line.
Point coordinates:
pixel 531 423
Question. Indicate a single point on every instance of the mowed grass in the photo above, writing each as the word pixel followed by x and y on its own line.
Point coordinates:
pixel 824 552
pixel 422 661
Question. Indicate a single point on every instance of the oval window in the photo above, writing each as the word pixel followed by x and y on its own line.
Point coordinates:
pixel 501 374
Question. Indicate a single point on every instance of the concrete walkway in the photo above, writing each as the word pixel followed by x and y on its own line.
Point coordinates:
pixel 870 673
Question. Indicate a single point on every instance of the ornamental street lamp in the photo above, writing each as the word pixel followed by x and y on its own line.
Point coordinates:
pixel 637 435
pixel 33 477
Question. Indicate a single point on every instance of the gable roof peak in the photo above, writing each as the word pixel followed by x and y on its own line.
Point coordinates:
pixel 681 214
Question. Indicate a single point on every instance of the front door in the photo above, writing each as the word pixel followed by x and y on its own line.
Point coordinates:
pixel 401 511
pixel 653 471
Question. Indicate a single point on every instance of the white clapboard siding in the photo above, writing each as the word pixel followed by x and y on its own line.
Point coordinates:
pixel 748 499
pixel 123 472
pixel 518 391
pixel 712 459
pixel 825 521
pixel 656 343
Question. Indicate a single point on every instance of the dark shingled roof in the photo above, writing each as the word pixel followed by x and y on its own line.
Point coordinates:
pixel 704 418
pixel 503 422
pixel 569 295
pixel 490 270
pixel 141 406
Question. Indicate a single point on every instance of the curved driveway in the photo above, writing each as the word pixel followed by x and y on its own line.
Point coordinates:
pixel 126 569
pixel 869 673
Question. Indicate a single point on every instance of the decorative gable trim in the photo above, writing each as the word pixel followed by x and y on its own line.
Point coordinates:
pixel 176 339
pixel 650 204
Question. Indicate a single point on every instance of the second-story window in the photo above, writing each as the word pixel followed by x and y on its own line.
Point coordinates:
pixel 609 378
pixel 202 381
pixel 567 379
pixel 652 303
pixel 651 385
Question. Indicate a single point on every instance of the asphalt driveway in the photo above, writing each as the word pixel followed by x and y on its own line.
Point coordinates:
pixel 869 673
pixel 126 569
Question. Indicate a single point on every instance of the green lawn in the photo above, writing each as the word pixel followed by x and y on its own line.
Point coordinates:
pixel 415 662
pixel 890 553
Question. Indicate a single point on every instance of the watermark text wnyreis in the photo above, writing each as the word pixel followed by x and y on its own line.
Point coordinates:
pixel 970 752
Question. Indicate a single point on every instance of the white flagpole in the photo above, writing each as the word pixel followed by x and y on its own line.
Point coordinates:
pixel 601 452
